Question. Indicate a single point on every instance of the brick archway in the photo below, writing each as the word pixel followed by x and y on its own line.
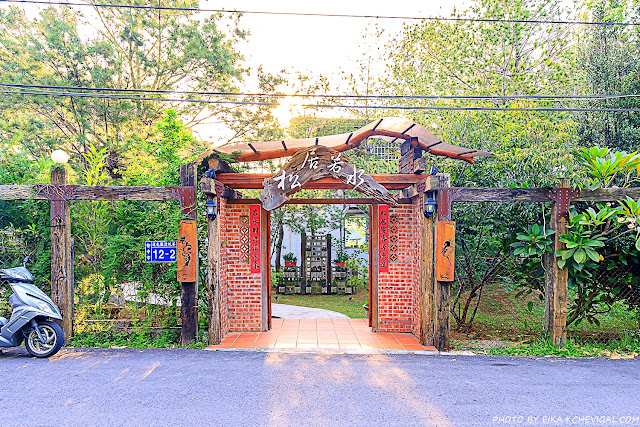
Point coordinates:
pixel 410 294
pixel 245 296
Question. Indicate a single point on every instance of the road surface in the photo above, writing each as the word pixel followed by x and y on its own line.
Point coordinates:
pixel 164 387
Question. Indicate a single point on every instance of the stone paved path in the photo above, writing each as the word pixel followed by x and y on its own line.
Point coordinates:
pixel 284 311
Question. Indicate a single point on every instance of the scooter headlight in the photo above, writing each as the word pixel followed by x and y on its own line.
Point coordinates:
pixel 44 307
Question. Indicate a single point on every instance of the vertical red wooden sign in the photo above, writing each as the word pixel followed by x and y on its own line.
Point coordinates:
pixel 254 238
pixel 383 238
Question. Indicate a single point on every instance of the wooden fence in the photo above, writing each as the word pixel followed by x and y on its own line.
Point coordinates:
pixel 60 193
pixel 434 296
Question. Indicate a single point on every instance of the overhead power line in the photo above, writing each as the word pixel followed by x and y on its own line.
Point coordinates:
pixel 436 107
pixel 325 96
pixel 132 98
pixel 355 107
pixel 326 15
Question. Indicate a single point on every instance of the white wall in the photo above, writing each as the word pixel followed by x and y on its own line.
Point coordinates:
pixel 291 243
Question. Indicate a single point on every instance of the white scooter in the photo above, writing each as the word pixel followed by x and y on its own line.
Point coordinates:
pixel 31 319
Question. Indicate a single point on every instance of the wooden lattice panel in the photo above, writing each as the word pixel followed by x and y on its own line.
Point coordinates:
pixel 393 238
pixel 244 239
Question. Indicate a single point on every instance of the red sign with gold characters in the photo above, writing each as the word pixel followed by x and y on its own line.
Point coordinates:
pixel 254 238
pixel 383 238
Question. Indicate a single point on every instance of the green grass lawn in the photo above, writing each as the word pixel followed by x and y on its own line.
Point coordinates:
pixel 504 315
pixel 508 325
pixel 339 303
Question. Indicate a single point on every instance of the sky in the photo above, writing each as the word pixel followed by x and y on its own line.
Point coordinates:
pixel 323 45
pixel 327 46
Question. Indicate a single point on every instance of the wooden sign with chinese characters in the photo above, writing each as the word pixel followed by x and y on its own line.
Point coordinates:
pixel 445 251
pixel 187 251
pixel 314 163
pixel 254 238
pixel 383 239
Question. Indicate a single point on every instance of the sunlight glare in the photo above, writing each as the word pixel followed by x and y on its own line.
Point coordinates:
pixel 287 109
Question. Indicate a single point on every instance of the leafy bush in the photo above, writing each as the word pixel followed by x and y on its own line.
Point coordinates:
pixel 602 242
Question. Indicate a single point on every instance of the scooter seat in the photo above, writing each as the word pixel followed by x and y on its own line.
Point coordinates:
pixel 3 321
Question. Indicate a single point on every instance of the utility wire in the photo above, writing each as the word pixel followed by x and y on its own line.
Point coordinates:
pixel 327 96
pixel 132 98
pixel 328 15
pixel 376 107
pixel 434 107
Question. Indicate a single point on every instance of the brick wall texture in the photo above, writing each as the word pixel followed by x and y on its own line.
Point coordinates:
pixel 240 293
pixel 398 289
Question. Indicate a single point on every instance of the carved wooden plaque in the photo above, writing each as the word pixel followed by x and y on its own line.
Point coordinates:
pixel 314 163
pixel 445 251
pixel 187 251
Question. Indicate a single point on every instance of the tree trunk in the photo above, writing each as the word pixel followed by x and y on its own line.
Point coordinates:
pixel 279 245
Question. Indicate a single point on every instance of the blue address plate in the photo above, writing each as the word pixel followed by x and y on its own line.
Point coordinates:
pixel 160 251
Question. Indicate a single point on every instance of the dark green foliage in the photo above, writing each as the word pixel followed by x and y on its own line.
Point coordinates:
pixel 484 232
pixel 602 241
pixel 573 348
pixel 610 64
pixel 535 241
pixel 27 234
pixel 128 49
pixel 137 338
pixel 133 224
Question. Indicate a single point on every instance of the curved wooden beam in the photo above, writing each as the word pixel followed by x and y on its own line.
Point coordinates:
pixel 389 128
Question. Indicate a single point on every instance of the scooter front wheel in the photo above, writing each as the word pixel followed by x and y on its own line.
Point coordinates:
pixel 53 339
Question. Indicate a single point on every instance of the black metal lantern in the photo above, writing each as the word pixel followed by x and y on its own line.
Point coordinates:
pixel 430 205
pixel 211 209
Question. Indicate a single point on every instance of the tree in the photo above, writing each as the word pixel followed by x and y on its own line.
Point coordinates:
pixel 602 243
pixel 129 49
pixel 531 148
pixel 492 59
pixel 609 64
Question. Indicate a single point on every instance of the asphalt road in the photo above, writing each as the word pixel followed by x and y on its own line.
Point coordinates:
pixel 202 388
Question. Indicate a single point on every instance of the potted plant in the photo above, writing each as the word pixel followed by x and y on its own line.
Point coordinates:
pixel 341 259
pixel 366 308
pixel 290 259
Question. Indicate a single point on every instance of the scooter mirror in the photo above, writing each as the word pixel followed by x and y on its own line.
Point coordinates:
pixel 26 260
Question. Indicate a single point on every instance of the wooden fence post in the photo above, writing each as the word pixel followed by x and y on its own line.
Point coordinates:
pixel 442 290
pixel 427 262
pixel 329 275
pixel 374 265
pixel 556 278
pixel 213 280
pixel 188 276
pixel 61 263
pixel 265 267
